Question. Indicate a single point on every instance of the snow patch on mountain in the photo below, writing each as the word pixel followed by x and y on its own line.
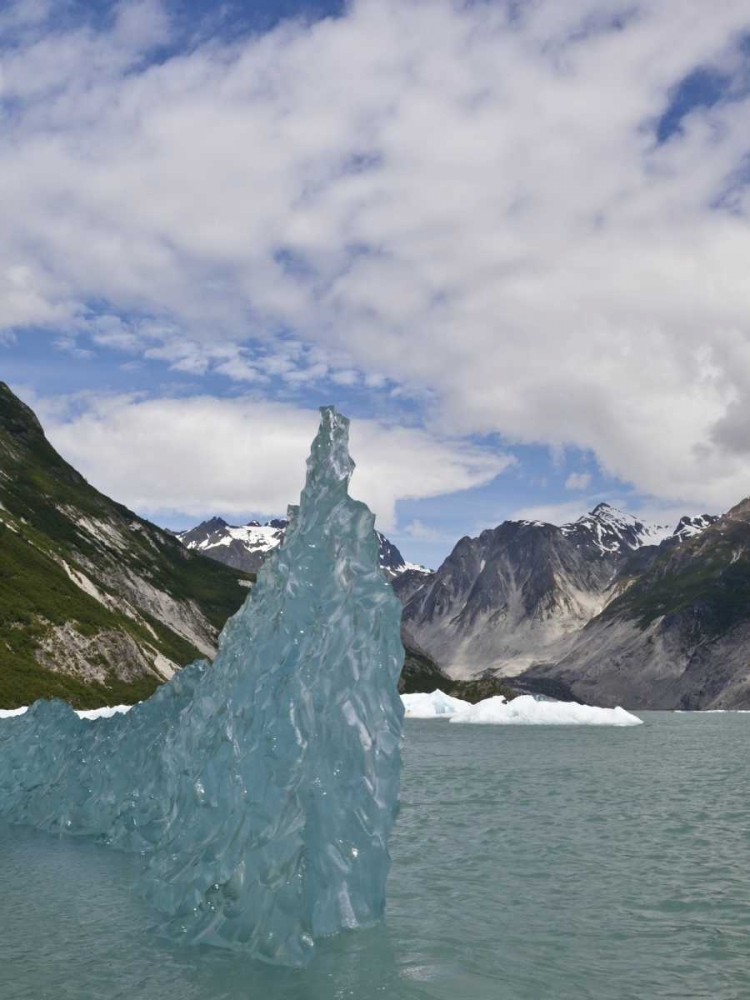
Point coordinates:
pixel 416 568
pixel 253 535
pixel 689 527
pixel 615 531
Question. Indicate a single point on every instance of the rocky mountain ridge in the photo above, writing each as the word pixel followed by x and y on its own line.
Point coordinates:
pixel 520 599
pixel 99 606
pixel 678 635
pixel 245 546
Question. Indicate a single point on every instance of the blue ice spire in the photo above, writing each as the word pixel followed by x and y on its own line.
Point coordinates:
pixel 262 788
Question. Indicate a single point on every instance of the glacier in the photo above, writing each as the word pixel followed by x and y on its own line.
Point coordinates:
pixel 260 789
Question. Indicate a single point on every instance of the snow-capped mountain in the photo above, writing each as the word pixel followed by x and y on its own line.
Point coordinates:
pixel 246 546
pixel 242 546
pixel 613 531
pixel 677 635
pixel 519 594
pixel 689 527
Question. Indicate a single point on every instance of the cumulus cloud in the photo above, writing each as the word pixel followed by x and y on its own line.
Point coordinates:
pixel 469 199
pixel 554 513
pixel 578 481
pixel 201 455
pixel 418 529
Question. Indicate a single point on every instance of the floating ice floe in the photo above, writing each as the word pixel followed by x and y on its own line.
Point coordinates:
pixel 432 706
pixel 712 711
pixel 527 711
pixel 524 710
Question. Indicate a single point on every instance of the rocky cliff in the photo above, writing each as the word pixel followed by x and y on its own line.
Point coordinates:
pixel 97 605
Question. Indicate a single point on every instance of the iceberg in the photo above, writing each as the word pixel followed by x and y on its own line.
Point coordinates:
pixel 432 706
pixel 525 710
pixel 261 789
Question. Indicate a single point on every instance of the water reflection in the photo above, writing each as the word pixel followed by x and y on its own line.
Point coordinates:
pixel 528 864
pixel 356 965
pixel 71 898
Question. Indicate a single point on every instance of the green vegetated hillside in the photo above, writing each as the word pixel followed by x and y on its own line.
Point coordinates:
pixel 707 577
pixel 97 605
pixel 421 673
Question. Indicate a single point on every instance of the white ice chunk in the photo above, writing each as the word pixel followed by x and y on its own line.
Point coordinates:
pixel 527 711
pixel 432 706
pixel 92 713
pixel 104 713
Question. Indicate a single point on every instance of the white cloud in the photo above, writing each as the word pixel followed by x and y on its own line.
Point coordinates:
pixel 554 513
pixel 471 208
pixel 418 529
pixel 201 455
pixel 578 481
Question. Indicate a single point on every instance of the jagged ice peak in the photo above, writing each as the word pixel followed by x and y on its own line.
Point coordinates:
pixel 261 790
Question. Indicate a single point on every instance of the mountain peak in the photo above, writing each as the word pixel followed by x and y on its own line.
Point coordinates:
pixel 214 523
pixel 18 419
pixel 611 530
pixel 689 526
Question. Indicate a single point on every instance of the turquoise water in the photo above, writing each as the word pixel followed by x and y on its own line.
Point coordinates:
pixel 528 862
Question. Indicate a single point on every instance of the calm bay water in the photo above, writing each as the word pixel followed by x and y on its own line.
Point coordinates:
pixel 529 863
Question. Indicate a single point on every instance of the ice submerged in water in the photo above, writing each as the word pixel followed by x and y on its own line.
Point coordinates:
pixel 261 789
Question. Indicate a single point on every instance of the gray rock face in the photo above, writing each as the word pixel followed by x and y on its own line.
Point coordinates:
pixel 677 635
pixel 520 594
pixel 391 559
pixel 409 581
pixel 667 665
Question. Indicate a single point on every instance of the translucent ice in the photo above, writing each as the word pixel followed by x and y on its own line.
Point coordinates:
pixel 262 789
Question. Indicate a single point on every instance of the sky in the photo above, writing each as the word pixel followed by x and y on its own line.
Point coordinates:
pixel 508 238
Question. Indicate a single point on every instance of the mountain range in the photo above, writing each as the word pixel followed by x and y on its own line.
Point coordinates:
pixel 606 609
pixel 98 605
pixel 246 546
pixel 518 594
pixel 603 610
